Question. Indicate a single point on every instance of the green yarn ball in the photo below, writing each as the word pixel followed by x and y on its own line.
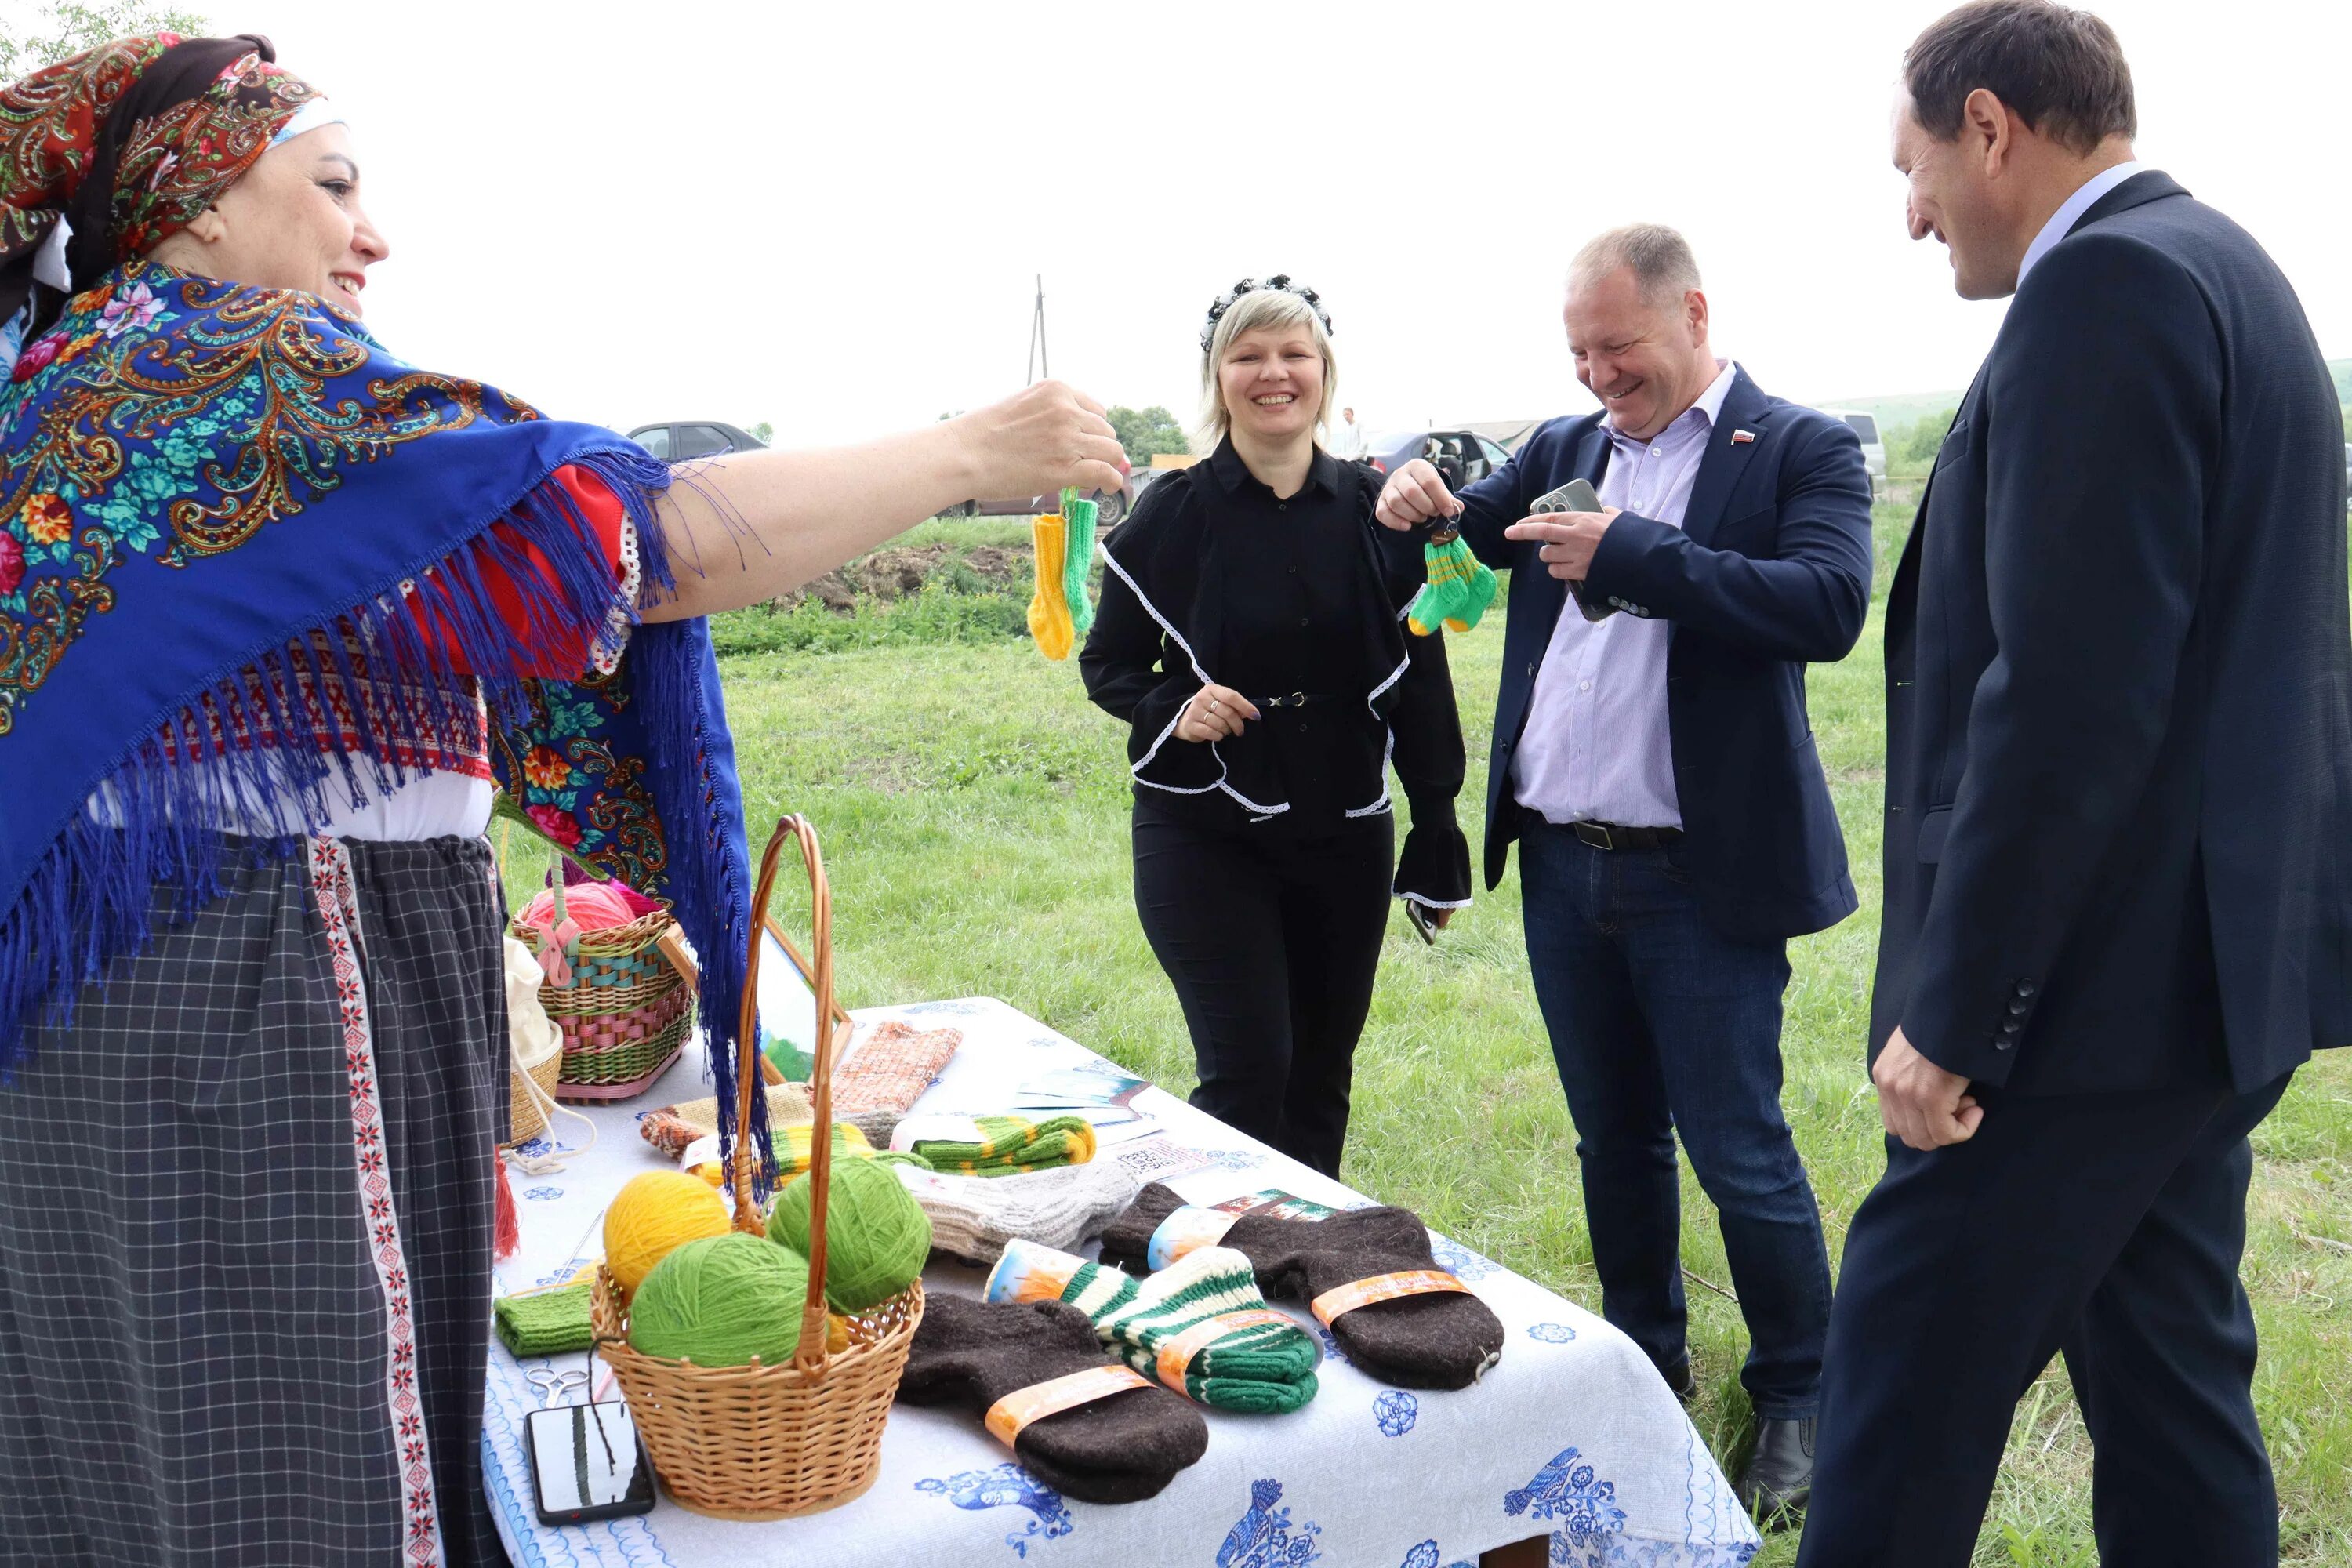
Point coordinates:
pixel 876 1239
pixel 720 1301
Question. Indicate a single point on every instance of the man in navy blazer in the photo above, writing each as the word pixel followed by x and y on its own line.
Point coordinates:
pixel 2118 833
pixel 1652 757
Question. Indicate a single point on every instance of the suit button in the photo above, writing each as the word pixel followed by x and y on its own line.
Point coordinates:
pixel 2009 1030
pixel 2017 1009
pixel 2026 988
pixel 1531 672
pixel 1305 622
pixel 2004 1043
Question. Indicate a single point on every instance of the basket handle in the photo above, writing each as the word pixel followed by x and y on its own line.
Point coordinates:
pixel 810 1353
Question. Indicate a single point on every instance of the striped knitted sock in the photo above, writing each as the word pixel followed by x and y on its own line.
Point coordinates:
pixel 997 1145
pixel 1262 1363
pixel 1078 559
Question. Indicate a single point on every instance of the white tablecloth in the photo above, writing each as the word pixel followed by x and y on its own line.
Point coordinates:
pixel 1572 1434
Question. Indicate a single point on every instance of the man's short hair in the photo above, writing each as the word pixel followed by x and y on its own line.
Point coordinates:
pixel 1660 258
pixel 2059 69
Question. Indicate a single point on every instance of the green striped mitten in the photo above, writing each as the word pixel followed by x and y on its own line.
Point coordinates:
pixel 1078 560
pixel 1200 1324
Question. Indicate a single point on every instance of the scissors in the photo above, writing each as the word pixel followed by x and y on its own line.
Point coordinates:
pixel 556 1387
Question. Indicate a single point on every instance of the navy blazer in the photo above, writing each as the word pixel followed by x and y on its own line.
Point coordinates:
pixel 1770 571
pixel 2119 680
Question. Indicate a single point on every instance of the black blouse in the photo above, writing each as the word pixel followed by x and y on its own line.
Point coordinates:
pixel 1296 603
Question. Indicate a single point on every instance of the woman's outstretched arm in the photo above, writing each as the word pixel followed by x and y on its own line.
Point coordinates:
pixel 743 528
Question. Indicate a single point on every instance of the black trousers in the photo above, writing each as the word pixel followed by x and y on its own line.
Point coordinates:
pixel 2109 1228
pixel 1272 936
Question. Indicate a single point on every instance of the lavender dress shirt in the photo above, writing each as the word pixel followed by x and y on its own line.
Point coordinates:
pixel 1595 748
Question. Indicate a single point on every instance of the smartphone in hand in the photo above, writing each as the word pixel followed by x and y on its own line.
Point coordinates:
pixel 1576 495
pixel 1423 919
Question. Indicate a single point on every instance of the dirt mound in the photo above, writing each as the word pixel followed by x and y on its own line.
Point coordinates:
pixel 900 572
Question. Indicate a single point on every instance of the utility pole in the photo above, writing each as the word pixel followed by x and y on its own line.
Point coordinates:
pixel 1038 338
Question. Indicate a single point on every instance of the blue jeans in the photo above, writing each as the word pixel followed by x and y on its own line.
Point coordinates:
pixel 1660 1025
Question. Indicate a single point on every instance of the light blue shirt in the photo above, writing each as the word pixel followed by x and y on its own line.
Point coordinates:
pixel 2070 213
pixel 1596 748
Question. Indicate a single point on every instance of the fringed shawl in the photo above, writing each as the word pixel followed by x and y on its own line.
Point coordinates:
pixel 214 498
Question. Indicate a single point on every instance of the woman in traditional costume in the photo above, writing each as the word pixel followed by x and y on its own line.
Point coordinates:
pixel 278 612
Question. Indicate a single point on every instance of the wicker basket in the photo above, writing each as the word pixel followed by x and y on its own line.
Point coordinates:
pixel 529 1115
pixel 628 1009
pixel 769 1442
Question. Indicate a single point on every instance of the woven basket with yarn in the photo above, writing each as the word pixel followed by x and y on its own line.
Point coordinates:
pixel 626 1010
pixel 761 1442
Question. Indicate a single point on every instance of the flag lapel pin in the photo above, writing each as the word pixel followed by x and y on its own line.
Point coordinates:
pixel 1741 437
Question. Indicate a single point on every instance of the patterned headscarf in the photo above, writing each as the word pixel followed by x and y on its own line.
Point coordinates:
pixel 126 143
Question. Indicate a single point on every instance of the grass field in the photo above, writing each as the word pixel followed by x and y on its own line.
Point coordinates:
pixel 974 813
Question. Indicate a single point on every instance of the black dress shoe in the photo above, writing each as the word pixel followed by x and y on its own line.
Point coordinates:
pixel 1680 1379
pixel 1779 1480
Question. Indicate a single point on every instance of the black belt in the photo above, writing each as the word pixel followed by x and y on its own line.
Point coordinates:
pixel 1296 700
pixel 1609 836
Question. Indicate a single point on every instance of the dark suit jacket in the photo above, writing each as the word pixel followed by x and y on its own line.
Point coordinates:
pixel 2119 680
pixel 1770 571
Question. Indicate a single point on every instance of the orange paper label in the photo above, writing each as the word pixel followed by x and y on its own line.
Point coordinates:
pixel 1178 1353
pixel 1186 1230
pixel 1382 1288
pixel 1017 1409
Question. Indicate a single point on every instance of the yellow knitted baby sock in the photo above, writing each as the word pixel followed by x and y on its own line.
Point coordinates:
pixel 1049 612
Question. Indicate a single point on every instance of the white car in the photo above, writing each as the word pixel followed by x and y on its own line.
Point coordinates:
pixel 1873 450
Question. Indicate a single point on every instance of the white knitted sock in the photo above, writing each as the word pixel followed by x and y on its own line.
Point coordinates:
pixel 972 1217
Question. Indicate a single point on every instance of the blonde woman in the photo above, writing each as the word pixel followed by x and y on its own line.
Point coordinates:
pixel 1250 633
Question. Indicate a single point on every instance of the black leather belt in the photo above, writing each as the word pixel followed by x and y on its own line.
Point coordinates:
pixel 1609 836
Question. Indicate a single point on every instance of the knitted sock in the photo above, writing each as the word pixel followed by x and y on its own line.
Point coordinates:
pixel 1440 1340
pixel 996 1145
pixel 1120 1448
pixel 1049 613
pixel 1459 589
pixel 545 1323
pixel 1260 1362
pixel 1078 561
pixel 674 1127
pixel 972 1217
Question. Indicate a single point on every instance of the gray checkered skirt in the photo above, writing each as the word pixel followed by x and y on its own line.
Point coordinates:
pixel 245 1218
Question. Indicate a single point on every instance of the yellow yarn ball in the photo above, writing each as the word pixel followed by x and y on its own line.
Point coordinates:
pixel 653 1217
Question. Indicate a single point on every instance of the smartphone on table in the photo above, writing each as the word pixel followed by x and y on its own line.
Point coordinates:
pixel 1576 495
pixel 587 1463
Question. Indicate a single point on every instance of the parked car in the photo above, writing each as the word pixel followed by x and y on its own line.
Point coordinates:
pixel 1873 450
pixel 1115 504
pixel 1460 457
pixel 676 442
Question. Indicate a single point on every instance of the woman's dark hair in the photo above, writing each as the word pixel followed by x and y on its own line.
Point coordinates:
pixel 2060 70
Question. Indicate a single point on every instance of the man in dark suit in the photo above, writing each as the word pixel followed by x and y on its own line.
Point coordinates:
pixel 2118 832
pixel 1658 770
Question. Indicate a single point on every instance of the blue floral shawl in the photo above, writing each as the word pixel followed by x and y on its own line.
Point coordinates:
pixel 209 494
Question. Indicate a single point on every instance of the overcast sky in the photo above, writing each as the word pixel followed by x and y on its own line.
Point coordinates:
pixel 830 215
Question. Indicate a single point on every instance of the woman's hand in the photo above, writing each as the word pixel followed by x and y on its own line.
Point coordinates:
pixel 1039 440
pixel 1214 713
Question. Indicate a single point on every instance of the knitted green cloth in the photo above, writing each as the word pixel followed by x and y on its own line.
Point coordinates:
pixel 1008 1144
pixel 1261 1368
pixel 1459 589
pixel 545 1323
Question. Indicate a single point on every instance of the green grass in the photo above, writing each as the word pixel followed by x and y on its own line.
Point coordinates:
pixel 973 808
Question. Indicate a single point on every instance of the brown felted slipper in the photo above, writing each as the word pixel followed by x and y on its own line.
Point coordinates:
pixel 1122 1448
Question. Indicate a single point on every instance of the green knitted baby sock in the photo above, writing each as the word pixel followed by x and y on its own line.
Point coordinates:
pixel 545 1323
pixel 1459 589
pixel 1078 560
